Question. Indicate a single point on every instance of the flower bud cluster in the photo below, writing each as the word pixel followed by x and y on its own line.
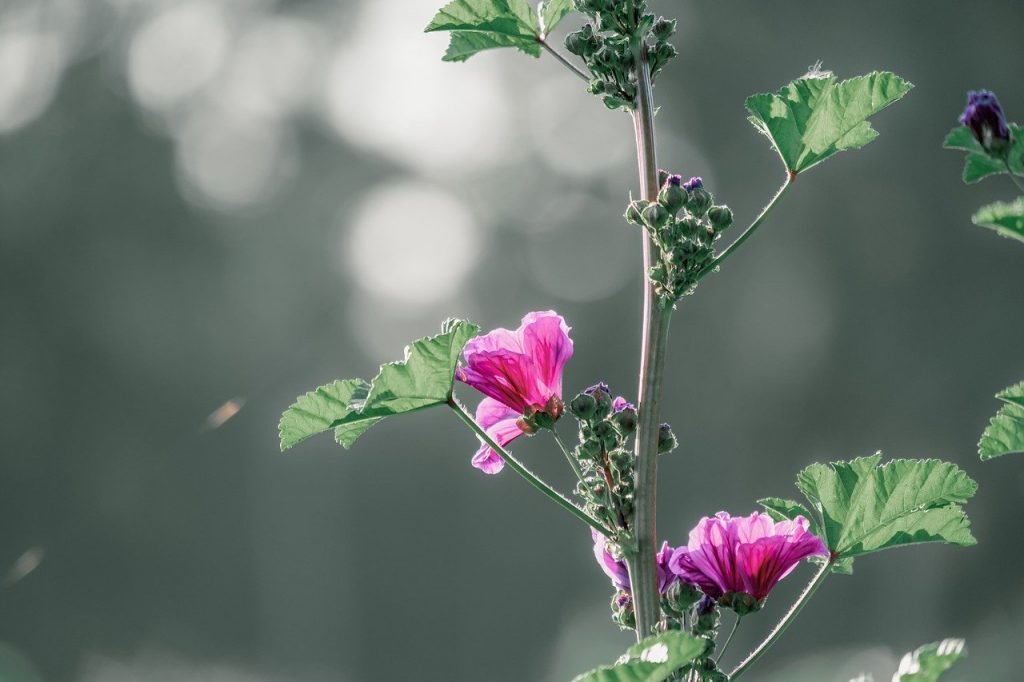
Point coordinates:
pixel 704 617
pixel 620 33
pixel 606 462
pixel 684 223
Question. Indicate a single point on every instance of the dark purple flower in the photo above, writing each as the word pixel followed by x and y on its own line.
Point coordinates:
pixel 985 118
pixel 744 555
pixel 692 184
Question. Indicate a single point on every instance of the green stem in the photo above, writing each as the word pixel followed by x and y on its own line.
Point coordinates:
pixel 530 477
pixel 710 267
pixel 568 456
pixel 786 621
pixel 728 640
pixel 642 571
pixel 1013 176
pixel 565 62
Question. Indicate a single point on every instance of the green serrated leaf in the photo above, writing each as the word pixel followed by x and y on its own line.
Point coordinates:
pixel 930 662
pixel 465 44
pixel 552 12
pixel 782 510
pixel 319 410
pixel 979 164
pixel 817 116
pixel 1006 219
pixel 652 660
pixel 867 507
pixel 1005 432
pixel 493 16
pixel 424 378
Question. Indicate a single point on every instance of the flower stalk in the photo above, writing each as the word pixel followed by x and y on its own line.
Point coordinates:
pixel 642 571
pixel 516 466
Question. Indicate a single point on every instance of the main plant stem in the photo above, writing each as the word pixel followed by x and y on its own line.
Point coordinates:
pixel 786 621
pixel 642 571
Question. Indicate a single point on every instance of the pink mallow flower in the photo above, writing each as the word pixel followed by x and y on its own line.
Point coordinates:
pixel 618 572
pixel 744 555
pixel 521 369
pixel 520 372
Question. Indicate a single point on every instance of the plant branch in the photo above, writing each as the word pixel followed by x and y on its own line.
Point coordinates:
pixel 565 62
pixel 728 640
pixel 710 267
pixel 642 572
pixel 1013 176
pixel 517 467
pixel 568 456
pixel 786 621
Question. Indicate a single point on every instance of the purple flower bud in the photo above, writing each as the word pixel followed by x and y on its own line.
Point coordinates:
pixel 985 118
pixel 674 181
pixel 692 184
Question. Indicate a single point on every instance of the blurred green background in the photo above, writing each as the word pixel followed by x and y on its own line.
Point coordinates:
pixel 207 208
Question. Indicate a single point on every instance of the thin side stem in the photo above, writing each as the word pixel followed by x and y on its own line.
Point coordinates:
pixel 1013 176
pixel 786 621
pixel 728 640
pixel 642 571
pixel 530 477
pixel 565 62
pixel 750 230
pixel 568 456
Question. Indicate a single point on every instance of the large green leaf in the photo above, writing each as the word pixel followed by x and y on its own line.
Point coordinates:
pixel 817 116
pixel 930 662
pixel 552 12
pixel 979 164
pixel 320 410
pixel 478 25
pixel 866 507
pixel 652 660
pixel 1005 432
pixel 1006 219
pixel 423 379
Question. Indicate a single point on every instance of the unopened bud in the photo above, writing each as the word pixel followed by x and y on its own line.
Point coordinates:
pixel 655 215
pixel 720 217
pixel 663 28
pixel 602 399
pixel 680 596
pixel 583 406
pixel 672 196
pixel 740 602
pixel 634 211
pixel 596 87
pixel 666 440
pixel 699 201
pixel 625 420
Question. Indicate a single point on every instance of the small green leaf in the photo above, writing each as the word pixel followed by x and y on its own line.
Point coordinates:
pixel 478 25
pixel 552 12
pixel 1005 432
pixel 867 507
pixel 782 510
pixel 652 660
pixel 979 164
pixel 423 379
pixel 319 410
pixel 930 662
pixel 1006 219
pixel 817 116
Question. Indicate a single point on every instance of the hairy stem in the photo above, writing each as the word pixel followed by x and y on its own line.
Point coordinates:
pixel 1013 176
pixel 786 621
pixel 750 230
pixel 642 572
pixel 531 478
pixel 565 62
pixel 568 456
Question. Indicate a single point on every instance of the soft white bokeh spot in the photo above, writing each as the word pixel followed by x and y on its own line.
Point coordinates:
pixel 227 162
pixel 177 53
pixel 31 63
pixel 403 102
pixel 410 241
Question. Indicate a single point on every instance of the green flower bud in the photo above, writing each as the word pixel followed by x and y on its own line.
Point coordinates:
pixel 658 274
pixel 655 215
pixel 625 420
pixel 583 406
pixel 691 226
pixel 666 440
pixel 740 602
pixel 616 103
pixel 672 196
pixel 720 217
pixel 699 202
pixel 634 211
pixel 663 29
pixel 680 596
